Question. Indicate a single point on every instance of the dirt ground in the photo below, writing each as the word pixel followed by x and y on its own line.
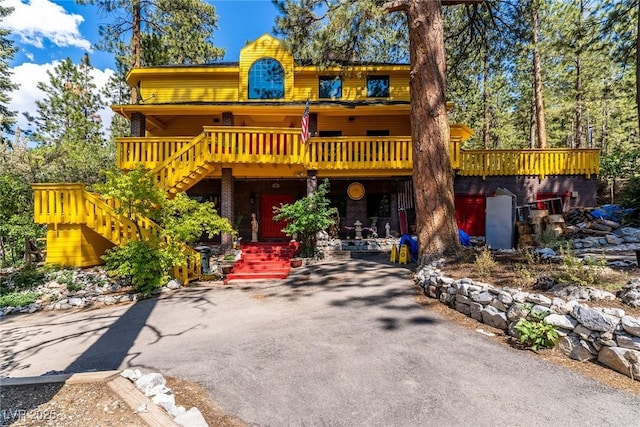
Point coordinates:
pixel 95 404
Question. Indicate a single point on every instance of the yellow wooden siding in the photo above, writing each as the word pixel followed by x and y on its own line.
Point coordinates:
pixel 266 46
pixel 359 125
pixel 199 88
pixel 75 245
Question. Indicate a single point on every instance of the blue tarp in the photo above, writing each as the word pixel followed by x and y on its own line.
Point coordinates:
pixel 464 238
pixel 412 244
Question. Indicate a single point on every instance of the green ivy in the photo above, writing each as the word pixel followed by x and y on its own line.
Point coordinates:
pixel 18 299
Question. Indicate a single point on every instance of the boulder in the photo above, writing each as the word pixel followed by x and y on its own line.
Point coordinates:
pixel 476 311
pixel 192 418
pixel 612 239
pixel 594 319
pixel 583 351
pixel 539 299
pixel 566 344
pixel 561 321
pixel 517 311
pixel 623 360
pixel 628 341
pixel 631 325
pixel 483 298
pixel 491 316
pixel 463 308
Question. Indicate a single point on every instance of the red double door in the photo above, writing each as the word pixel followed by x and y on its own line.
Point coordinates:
pixel 269 228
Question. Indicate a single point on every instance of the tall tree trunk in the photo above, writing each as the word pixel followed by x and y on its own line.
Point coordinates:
pixel 532 123
pixel 135 45
pixel 537 79
pixel 578 131
pixel 485 97
pixel 435 217
pixel 638 69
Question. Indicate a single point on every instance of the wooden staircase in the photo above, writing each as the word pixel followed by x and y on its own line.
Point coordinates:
pixel 263 261
pixel 71 205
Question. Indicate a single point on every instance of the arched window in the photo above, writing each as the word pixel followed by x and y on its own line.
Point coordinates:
pixel 266 79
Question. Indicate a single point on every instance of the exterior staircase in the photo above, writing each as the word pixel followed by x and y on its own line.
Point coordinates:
pixel 263 261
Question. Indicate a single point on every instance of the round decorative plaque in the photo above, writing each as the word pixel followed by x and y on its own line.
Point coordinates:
pixel 355 191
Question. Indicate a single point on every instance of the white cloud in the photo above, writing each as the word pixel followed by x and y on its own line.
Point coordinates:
pixel 28 75
pixel 37 20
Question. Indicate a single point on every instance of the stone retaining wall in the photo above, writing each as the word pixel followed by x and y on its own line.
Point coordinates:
pixel 607 335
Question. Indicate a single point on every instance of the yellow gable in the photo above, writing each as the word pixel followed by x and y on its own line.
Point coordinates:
pixel 266 46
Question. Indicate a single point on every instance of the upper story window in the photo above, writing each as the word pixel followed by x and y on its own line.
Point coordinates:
pixel 378 86
pixel 266 79
pixel 330 87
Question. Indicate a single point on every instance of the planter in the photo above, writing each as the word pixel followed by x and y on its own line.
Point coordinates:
pixel 296 262
pixel 227 266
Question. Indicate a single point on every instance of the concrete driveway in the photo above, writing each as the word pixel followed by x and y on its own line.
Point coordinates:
pixel 342 344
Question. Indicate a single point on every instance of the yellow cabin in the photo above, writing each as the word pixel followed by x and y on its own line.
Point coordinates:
pixel 231 133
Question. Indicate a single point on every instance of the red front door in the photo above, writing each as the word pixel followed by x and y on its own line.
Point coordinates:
pixel 470 214
pixel 270 229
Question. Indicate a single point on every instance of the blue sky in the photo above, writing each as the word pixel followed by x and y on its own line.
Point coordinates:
pixel 48 31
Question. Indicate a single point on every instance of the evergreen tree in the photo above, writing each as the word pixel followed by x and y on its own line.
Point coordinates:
pixel 159 32
pixel 70 143
pixel 7 51
pixel 323 31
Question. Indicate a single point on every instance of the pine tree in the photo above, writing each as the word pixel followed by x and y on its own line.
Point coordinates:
pixel 322 32
pixel 69 135
pixel 159 32
pixel 7 51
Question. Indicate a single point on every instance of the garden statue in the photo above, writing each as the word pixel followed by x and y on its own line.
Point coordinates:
pixel 358 227
pixel 254 228
pixel 387 231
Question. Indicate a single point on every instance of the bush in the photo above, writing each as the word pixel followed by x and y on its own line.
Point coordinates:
pixel 18 299
pixel 583 273
pixel 535 333
pixel 28 278
pixel 484 264
pixel 141 262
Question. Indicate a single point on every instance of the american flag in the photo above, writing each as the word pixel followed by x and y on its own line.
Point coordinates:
pixel 304 133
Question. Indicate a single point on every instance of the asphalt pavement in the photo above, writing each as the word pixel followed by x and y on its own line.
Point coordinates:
pixel 340 343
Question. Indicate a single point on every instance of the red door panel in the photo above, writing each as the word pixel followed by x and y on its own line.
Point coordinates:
pixel 270 229
pixel 470 214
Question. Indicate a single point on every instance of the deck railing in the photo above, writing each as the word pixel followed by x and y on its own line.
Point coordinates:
pixel 72 204
pixel 244 145
pixel 538 162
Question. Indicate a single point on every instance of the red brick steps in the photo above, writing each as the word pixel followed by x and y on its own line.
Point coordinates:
pixel 263 261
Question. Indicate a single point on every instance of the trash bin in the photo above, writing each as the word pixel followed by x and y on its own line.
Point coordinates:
pixel 205 255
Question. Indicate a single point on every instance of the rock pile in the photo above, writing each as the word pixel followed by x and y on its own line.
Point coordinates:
pixel 77 288
pixel 154 386
pixel 605 334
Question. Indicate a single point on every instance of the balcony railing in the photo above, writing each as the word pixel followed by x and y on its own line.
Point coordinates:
pixel 282 146
pixel 539 162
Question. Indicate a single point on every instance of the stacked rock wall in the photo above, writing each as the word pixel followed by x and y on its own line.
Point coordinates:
pixel 607 335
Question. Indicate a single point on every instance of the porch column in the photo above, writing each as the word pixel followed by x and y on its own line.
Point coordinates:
pixel 312 182
pixel 227 119
pixel 138 124
pixel 226 204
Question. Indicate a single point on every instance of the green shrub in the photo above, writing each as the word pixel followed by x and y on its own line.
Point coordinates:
pixel 28 278
pixel 18 299
pixel 484 264
pixel 583 273
pixel 535 333
pixel 72 287
pixel 141 262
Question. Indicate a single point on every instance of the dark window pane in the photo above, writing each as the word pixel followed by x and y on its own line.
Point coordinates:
pixel 378 86
pixel 376 132
pixel 330 133
pixel 330 87
pixel 266 79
